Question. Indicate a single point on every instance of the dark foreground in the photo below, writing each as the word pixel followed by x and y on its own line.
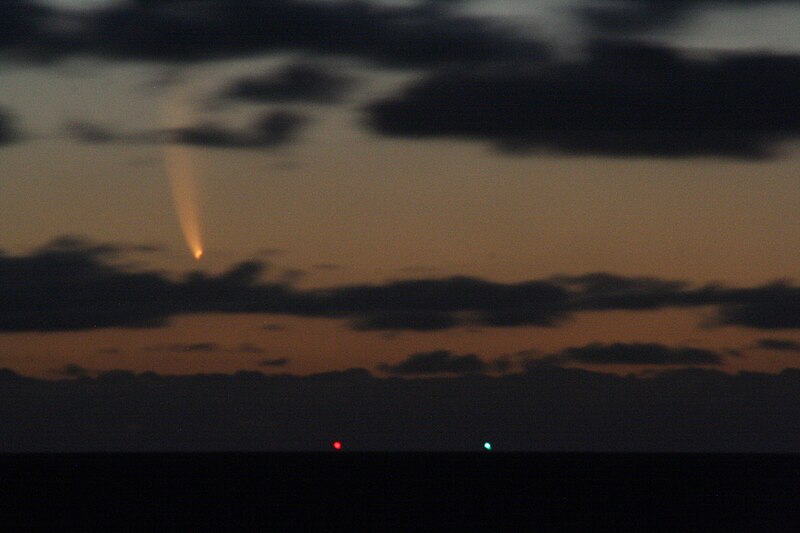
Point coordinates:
pixel 354 492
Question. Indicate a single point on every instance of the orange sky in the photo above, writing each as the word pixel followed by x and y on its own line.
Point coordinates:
pixel 345 206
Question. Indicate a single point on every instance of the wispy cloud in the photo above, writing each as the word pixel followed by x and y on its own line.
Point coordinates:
pixel 270 129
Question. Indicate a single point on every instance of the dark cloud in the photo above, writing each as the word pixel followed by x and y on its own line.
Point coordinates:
pixel 270 129
pixel 501 365
pixel 22 23
pixel 72 284
pixel 8 131
pixel 636 15
pixel 627 16
pixel 71 371
pixel 637 354
pixel 203 347
pixel 87 132
pixel 176 30
pixel 441 303
pixel 603 290
pixel 436 362
pixel 275 362
pixel 782 345
pixel 301 82
pixel 197 347
pixel 545 409
pixel 622 99
pixel 406 320
pixel 773 306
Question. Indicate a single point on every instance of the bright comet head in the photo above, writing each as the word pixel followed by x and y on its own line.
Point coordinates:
pixel 198 254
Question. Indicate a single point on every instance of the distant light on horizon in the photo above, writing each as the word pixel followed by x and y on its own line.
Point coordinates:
pixel 337 445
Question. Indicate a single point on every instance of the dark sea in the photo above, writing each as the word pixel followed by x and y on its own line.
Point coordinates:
pixel 409 492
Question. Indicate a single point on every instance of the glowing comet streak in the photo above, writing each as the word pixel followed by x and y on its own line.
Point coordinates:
pixel 183 179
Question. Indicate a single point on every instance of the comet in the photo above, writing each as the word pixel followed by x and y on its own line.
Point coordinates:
pixel 183 175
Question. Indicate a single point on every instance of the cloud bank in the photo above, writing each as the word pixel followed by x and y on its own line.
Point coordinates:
pixel 180 31
pixel 633 354
pixel 545 409
pixel 72 284
pixel 481 81
pixel 622 99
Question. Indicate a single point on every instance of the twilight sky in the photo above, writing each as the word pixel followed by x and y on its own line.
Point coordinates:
pixel 418 189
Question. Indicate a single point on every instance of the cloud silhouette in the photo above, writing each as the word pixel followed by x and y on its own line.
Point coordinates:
pixel 71 370
pixel 781 345
pixel 273 128
pixel 436 362
pixel 544 409
pixel 89 133
pixel 604 291
pixel 630 16
pixel 202 347
pixel 410 320
pixel 21 22
pixel 622 99
pixel 635 15
pixel 71 284
pixel 440 303
pixel 298 82
pixel 637 354
pixel 8 131
pixel 772 306
pixel 179 31
pixel 274 362
pixel 270 129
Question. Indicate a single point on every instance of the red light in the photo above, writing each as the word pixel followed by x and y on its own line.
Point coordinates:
pixel 337 445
